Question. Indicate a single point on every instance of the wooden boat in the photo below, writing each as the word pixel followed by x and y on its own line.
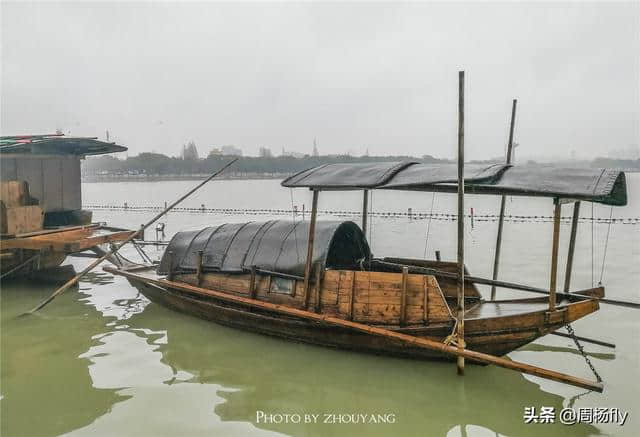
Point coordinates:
pixel 255 276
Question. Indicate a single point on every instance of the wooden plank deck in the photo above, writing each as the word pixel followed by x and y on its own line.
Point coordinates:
pixel 66 241
pixel 488 310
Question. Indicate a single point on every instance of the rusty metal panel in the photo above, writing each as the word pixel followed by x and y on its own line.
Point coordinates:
pixel 52 198
pixel 30 170
pixel 71 185
pixel 8 169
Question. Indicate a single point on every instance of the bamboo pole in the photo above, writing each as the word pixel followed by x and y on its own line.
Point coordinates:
pixel 312 235
pixel 572 245
pixel 318 286
pixel 460 309
pixel 554 254
pixel 129 239
pixel 409 340
pixel 503 202
pixel 365 206
pixel 403 296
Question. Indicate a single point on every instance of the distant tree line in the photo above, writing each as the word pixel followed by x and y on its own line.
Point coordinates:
pixel 158 164
pixel 616 163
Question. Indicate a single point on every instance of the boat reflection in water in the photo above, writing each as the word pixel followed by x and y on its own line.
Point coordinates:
pixel 258 373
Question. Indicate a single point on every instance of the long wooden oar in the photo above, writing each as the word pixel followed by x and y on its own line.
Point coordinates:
pixel 131 237
pixel 409 340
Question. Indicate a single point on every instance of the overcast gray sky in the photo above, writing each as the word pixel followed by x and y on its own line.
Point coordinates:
pixel 355 76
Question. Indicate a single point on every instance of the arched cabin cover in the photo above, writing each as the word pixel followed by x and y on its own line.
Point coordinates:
pixel 276 245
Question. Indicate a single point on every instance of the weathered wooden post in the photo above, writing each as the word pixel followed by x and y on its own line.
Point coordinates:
pixel 199 255
pixel 503 201
pixel 252 283
pixel 460 309
pixel 318 286
pixel 312 232
pixel 365 207
pixel 572 245
pixel 403 296
pixel 554 254
pixel 170 261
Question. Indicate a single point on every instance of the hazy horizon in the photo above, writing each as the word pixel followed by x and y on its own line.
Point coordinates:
pixel 355 76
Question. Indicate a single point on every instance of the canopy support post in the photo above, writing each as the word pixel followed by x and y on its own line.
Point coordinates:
pixel 503 201
pixel 554 254
pixel 365 206
pixel 572 245
pixel 312 234
pixel 460 309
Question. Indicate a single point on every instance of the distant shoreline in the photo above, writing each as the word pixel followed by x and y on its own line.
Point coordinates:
pixel 191 177
pixel 196 177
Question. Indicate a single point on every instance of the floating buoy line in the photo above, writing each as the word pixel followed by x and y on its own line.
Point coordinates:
pixel 296 212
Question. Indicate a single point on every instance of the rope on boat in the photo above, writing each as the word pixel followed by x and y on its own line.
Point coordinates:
pixel 606 244
pixel 426 240
pixel 293 217
pixel 442 216
pixel 592 244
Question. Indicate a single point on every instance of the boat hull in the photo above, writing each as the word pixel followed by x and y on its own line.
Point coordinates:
pixel 491 341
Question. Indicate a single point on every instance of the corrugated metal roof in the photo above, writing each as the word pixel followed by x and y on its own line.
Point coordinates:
pixel 56 144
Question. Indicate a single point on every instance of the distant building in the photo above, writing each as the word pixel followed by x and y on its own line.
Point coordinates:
pixel 231 150
pixel 315 148
pixel 292 154
pixel 190 152
pixel 215 152
pixel 265 152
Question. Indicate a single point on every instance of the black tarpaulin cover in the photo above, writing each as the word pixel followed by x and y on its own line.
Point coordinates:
pixel 276 245
pixel 606 186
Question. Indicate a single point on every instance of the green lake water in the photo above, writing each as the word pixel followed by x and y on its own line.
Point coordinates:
pixel 102 360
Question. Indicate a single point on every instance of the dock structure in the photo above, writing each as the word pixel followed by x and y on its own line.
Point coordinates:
pixel 41 215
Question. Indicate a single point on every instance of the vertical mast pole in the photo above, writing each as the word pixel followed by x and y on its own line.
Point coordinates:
pixel 554 254
pixel 503 201
pixel 460 309
pixel 572 245
pixel 312 234
pixel 365 206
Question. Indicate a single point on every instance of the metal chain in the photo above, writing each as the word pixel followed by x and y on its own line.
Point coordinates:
pixel 582 352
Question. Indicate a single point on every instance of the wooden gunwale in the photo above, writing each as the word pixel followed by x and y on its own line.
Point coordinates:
pixel 533 321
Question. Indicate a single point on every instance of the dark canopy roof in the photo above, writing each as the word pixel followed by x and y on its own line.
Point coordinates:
pixel 276 245
pixel 56 144
pixel 597 185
